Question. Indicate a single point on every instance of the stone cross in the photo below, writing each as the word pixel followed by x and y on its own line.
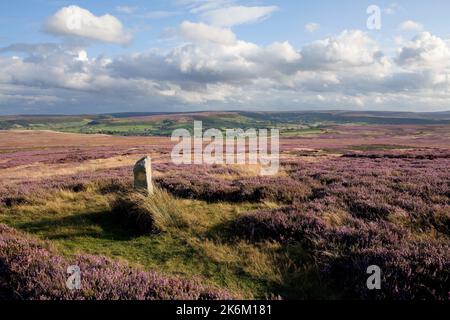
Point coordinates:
pixel 143 175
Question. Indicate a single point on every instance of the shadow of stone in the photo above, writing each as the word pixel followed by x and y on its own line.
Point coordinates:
pixel 110 228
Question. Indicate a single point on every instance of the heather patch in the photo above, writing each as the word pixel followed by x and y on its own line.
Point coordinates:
pixel 32 271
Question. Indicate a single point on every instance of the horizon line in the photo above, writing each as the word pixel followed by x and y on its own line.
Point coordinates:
pixel 149 113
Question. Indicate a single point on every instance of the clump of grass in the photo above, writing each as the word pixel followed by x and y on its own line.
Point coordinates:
pixel 149 214
pixel 166 213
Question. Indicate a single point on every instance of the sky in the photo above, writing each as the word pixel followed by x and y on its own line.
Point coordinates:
pixel 72 57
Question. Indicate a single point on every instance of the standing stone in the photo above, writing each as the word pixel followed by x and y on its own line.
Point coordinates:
pixel 143 175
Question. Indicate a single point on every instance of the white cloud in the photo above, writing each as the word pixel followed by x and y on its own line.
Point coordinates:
pixel 200 32
pixel 236 15
pixel 82 56
pixel 214 69
pixel 352 48
pixel 425 50
pixel 283 51
pixel 312 27
pixel 74 21
pixel 410 25
pixel 226 13
pixel 198 6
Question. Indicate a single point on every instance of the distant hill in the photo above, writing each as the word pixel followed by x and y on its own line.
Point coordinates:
pixel 163 124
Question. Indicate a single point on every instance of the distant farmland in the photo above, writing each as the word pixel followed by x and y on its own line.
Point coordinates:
pixel 291 124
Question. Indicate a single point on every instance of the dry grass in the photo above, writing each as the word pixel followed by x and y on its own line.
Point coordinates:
pixel 31 140
pixel 166 212
pixel 42 171
pixel 256 261
pixel 335 218
pixel 147 214
pixel 63 201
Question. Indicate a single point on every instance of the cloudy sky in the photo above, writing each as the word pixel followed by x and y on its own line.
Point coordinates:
pixel 69 57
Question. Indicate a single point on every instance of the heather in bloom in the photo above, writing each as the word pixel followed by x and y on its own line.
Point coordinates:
pixel 415 271
pixel 30 270
pixel 362 211
pixel 330 215
pixel 254 189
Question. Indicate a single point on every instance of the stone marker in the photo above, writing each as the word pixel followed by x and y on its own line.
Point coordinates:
pixel 143 175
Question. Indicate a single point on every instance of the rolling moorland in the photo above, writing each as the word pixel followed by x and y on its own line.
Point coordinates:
pixel 291 124
pixel 355 189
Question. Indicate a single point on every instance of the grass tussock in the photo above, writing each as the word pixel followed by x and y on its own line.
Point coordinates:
pixel 156 213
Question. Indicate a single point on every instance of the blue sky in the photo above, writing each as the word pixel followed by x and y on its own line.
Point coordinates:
pixel 183 55
pixel 21 20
